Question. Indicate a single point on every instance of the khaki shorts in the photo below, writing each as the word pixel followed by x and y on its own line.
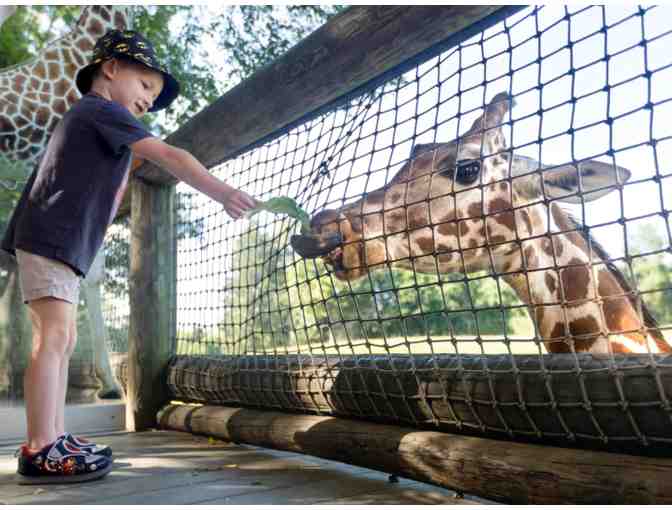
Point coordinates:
pixel 41 277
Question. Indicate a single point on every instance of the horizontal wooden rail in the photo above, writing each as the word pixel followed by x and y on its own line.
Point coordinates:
pixel 353 49
pixel 498 470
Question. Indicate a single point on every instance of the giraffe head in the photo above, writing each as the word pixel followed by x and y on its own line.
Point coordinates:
pixel 459 206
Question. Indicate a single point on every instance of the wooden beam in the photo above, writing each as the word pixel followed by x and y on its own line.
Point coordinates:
pixel 351 50
pixel 151 330
pixel 498 470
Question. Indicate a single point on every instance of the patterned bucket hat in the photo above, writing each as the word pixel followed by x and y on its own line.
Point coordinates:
pixel 129 45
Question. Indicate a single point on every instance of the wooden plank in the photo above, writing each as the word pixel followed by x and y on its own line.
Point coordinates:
pixel 152 283
pixel 498 470
pixel 174 467
pixel 349 51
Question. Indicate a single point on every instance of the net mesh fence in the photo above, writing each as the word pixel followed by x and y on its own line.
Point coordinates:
pixel 503 264
pixel 115 298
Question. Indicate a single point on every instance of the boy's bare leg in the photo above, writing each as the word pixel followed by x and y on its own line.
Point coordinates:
pixel 63 374
pixel 51 319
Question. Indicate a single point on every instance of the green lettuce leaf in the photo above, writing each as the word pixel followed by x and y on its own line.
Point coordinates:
pixel 284 205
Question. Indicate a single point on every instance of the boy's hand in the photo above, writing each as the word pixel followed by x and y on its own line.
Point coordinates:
pixel 237 202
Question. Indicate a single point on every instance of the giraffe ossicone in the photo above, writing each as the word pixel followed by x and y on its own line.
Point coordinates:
pixel 471 205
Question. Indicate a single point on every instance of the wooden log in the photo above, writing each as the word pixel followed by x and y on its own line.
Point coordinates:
pixel 353 49
pixel 152 302
pixel 497 470
pixel 583 401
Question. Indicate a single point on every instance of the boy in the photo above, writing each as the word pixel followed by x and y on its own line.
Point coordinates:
pixel 60 221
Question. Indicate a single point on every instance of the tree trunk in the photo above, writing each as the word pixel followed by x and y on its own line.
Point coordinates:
pixel 15 332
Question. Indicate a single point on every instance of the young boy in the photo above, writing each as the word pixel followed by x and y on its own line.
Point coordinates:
pixel 60 221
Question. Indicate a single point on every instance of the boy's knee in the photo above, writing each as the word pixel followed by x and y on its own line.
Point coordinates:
pixel 54 340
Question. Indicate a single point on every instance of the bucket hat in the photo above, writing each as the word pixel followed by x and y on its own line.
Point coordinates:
pixel 128 45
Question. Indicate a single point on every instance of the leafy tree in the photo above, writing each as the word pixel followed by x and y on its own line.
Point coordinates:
pixel 22 35
pixel 651 267
pixel 247 38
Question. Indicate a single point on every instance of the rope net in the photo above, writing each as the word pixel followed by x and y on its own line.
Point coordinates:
pixel 115 285
pixel 115 297
pixel 457 272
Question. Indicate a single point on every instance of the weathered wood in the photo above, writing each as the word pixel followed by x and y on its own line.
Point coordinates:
pixel 152 306
pixel 177 468
pixel 529 398
pixel 352 49
pixel 497 470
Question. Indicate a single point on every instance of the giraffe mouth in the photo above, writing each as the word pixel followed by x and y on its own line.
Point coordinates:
pixel 314 246
pixel 335 259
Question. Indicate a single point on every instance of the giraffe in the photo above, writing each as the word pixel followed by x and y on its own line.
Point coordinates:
pixel 471 205
pixel 34 95
pixel 33 98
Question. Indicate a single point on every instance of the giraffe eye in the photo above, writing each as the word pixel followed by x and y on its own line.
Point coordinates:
pixel 467 171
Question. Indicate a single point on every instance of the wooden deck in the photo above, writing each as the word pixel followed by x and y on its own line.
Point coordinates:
pixel 167 467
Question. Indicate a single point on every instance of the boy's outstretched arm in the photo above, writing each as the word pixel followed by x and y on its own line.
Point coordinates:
pixel 185 167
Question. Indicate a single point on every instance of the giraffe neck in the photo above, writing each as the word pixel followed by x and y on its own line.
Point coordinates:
pixel 580 300
pixel 35 95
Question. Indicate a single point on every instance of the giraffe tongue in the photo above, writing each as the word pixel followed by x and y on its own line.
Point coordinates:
pixel 311 246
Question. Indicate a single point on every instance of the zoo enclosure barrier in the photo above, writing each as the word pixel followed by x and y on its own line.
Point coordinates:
pixel 246 321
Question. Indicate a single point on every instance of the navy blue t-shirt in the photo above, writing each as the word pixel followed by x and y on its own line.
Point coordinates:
pixel 72 196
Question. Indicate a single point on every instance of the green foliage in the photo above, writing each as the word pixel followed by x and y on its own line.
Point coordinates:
pixel 22 35
pixel 248 37
pixel 117 257
pixel 12 179
pixel 252 36
pixel 653 271
pixel 284 205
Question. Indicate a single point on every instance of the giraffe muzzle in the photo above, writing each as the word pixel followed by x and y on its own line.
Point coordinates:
pixel 311 246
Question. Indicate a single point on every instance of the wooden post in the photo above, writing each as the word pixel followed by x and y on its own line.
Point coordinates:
pixel 152 301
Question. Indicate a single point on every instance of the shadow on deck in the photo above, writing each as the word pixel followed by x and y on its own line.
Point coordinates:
pixel 167 467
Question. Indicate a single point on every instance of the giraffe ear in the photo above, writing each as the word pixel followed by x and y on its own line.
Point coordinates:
pixel 421 148
pixel 572 183
pixel 493 115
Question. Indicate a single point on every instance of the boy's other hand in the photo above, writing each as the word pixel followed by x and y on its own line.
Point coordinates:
pixel 237 202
